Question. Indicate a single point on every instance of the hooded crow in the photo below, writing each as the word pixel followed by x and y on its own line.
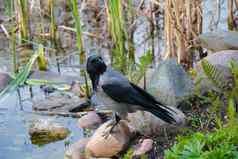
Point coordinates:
pixel 121 96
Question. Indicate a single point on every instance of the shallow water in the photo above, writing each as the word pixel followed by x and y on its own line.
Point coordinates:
pixel 15 118
pixel 15 141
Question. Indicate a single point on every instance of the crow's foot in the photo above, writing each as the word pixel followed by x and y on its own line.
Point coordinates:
pixel 113 122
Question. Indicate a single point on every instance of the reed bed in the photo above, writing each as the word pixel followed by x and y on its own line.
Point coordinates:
pixel 183 23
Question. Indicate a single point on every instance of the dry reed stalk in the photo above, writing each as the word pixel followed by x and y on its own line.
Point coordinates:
pixel 232 19
pixel 183 23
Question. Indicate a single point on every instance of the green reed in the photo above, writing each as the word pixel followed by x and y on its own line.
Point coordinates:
pixel 118 34
pixel 24 20
pixel 82 55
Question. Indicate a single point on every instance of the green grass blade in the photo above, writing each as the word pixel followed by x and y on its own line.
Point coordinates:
pixel 20 78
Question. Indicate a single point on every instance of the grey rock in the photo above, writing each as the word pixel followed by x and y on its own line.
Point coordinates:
pixel 221 61
pixel 217 41
pixel 169 83
pixel 147 124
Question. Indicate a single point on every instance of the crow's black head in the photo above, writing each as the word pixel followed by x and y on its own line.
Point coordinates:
pixel 95 67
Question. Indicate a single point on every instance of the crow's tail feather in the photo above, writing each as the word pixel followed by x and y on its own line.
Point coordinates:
pixel 164 114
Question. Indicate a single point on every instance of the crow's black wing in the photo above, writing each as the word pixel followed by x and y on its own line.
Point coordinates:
pixel 125 92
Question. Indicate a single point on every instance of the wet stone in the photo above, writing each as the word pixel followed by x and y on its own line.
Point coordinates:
pixel 58 103
pixel 44 131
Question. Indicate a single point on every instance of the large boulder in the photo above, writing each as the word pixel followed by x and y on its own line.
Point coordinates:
pixel 44 131
pixel 147 124
pixel 218 41
pixel 221 61
pixel 77 150
pixel 111 145
pixel 169 83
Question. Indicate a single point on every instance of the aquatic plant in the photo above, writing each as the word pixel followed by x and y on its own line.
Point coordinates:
pixel 20 78
pixel 23 21
pixel 82 55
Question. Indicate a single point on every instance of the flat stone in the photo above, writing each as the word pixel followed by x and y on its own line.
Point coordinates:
pixel 58 103
pixel 44 131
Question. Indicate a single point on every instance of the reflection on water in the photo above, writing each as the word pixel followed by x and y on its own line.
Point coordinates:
pixel 15 141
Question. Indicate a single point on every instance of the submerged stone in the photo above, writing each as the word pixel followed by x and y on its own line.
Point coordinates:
pixel 44 131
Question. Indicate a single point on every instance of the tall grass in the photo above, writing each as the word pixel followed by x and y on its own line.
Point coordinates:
pixel 53 26
pixel 20 78
pixel 82 55
pixel 23 20
pixel 118 34
pixel 9 7
pixel 131 16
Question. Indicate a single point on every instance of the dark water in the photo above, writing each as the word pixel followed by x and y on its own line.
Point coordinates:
pixel 14 123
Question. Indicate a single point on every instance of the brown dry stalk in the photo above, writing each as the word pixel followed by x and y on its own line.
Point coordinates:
pixel 232 18
pixel 183 23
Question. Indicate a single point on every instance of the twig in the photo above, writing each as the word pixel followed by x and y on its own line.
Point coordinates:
pixel 85 33
pixel 5 31
pixel 141 4
pixel 68 114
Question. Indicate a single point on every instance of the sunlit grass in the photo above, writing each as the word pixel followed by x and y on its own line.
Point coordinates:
pixel 118 34
pixel 79 41
pixel 24 19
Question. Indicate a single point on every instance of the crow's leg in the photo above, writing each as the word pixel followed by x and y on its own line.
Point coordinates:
pixel 113 122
